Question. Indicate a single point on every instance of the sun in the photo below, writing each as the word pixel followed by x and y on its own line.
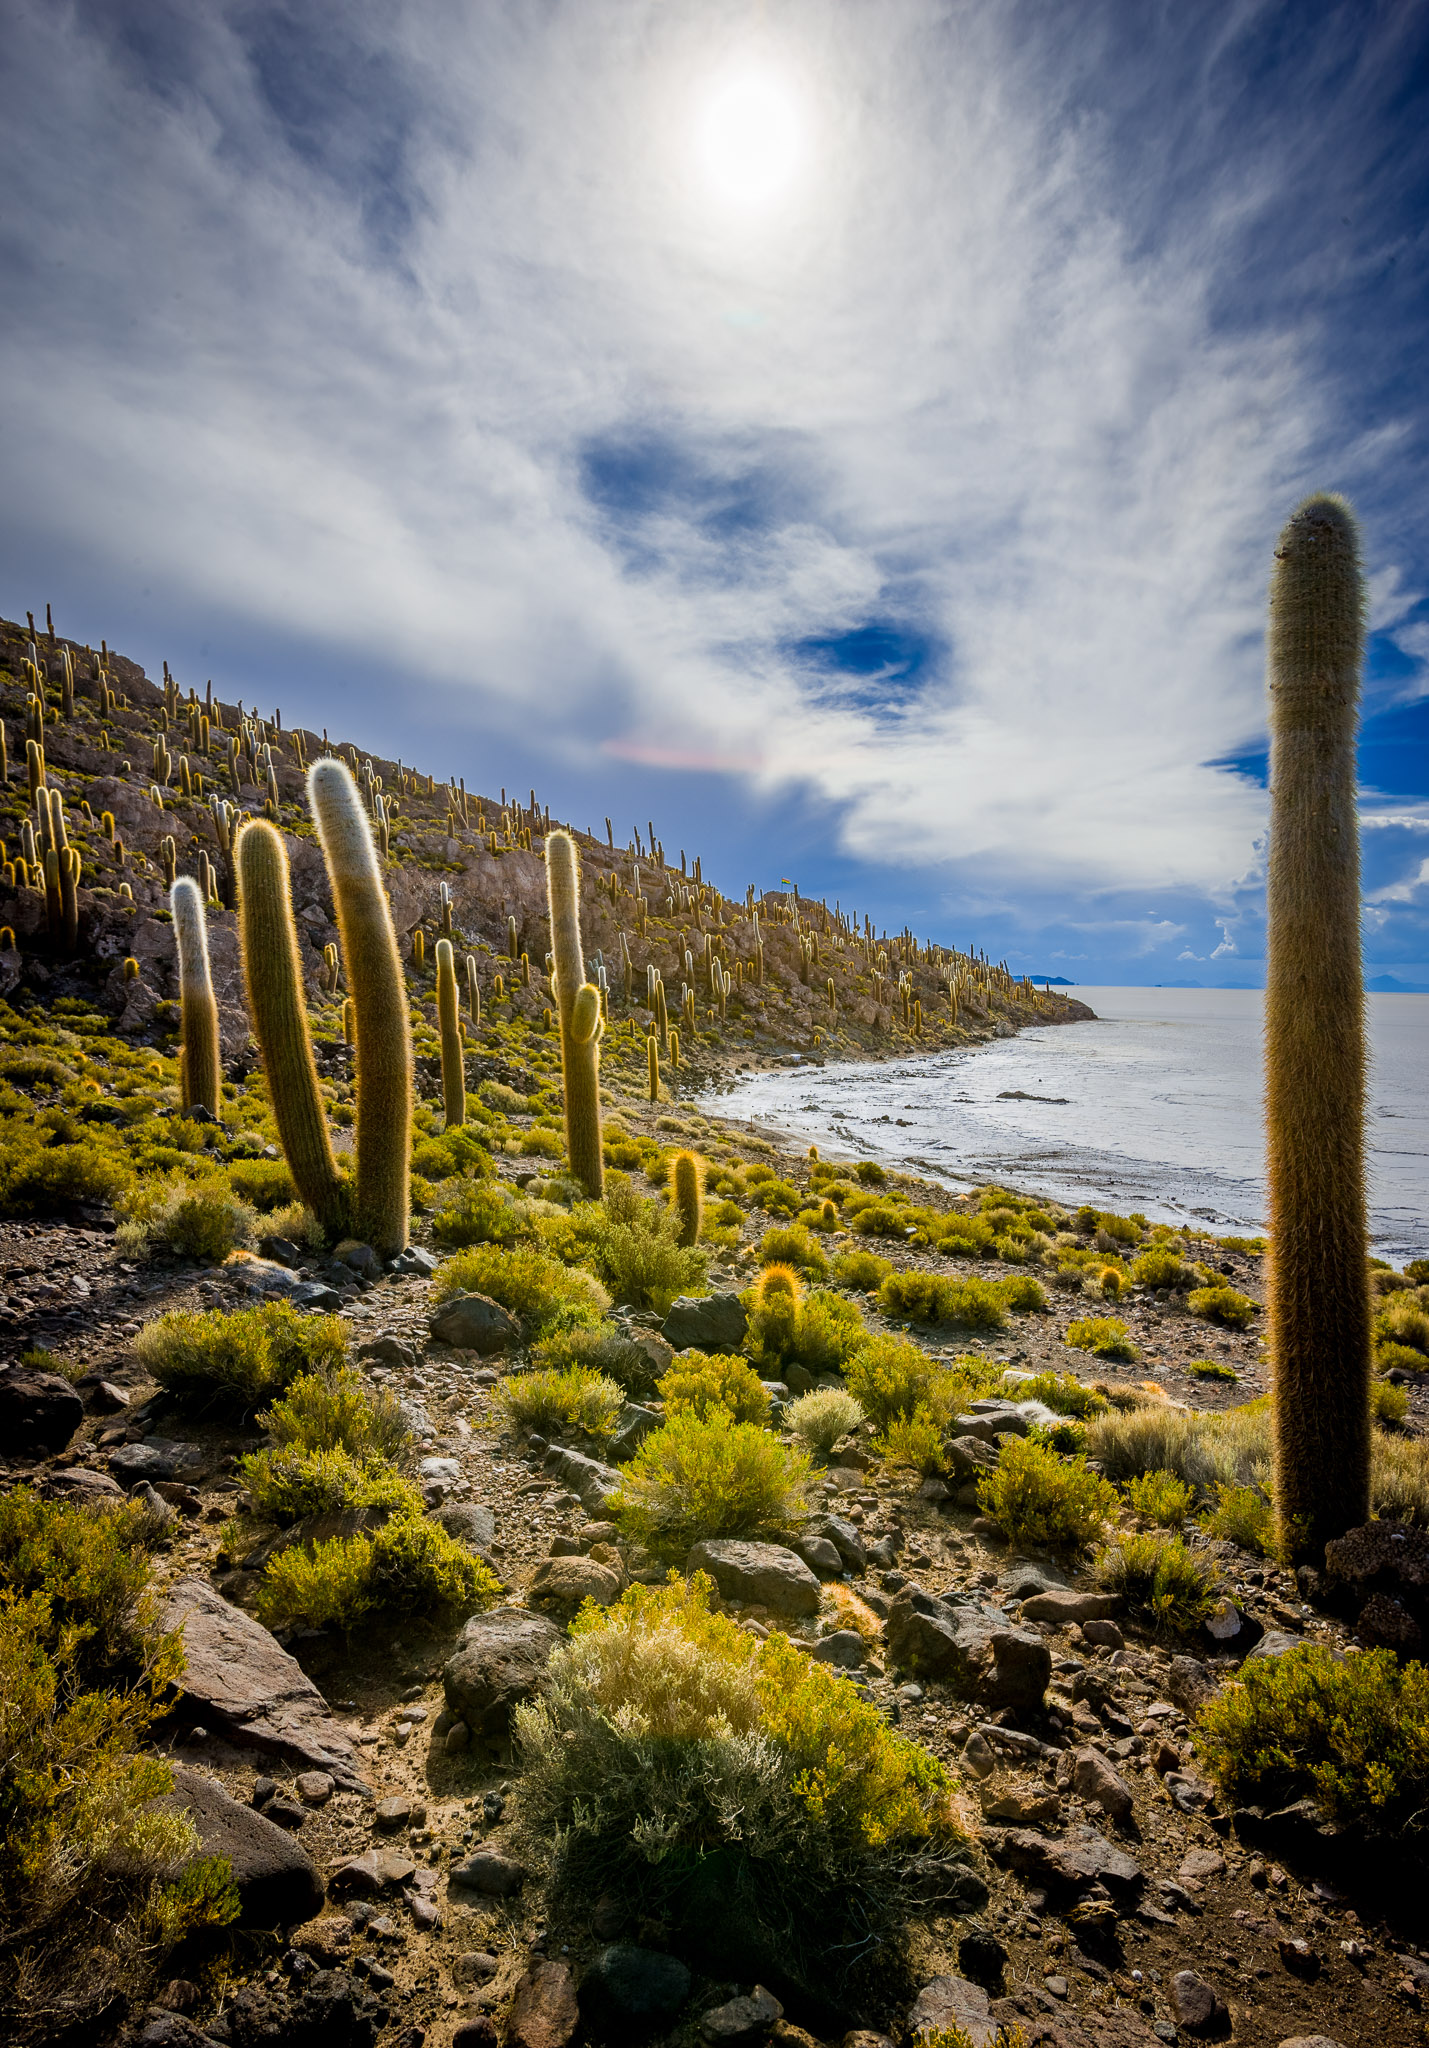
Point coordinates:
pixel 750 139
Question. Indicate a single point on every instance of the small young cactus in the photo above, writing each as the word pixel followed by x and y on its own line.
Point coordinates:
pixel 686 1194
pixel 419 949
pixel 453 1075
pixel 578 1007
pixel 199 1072
pixel 652 1047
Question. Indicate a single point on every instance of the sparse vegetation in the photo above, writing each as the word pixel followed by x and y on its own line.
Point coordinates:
pixel 821 1418
pixel 1041 1498
pixel 410 1566
pixel 1104 1337
pixel 239 1358
pixel 1159 1497
pixel 703 1476
pixel 577 1398
pixel 1159 1577
pixel 541 1290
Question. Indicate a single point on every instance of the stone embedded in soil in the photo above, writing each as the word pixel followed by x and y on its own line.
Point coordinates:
pixel 39 1411
pixel 560 1584
pixel 80 1484
pixel 742 2022
pixel 636 1989
pixel 1196 2005
pixel 589 1480
pixel 500 1659
pixel 819 1555
pixel 846 1541
pixel 710 1322
pixel 393 1813
pixel 949 2002
pixel 373 1875
pixel 994 1663
pixel 157 1457
pixel 251 1688
pixel 1075 1863
pixel 471 1524
pixel 544 2012
pixel 844 1649
pixel 1064 1608
pixel 1024 1807
pixel 1197 1865
pixel 277 1881
pixel 1094 1779
pixel 473 1322
pixel 314 1788
pixel 758 1574
pixel 489 1872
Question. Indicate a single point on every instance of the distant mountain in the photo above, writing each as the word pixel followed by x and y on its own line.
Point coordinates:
pixel 1387 985
pixel 1056 980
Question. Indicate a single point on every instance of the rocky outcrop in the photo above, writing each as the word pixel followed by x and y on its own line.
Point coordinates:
pixel 500 1659
pixel 992 1662
pixel 278 1883
pixel 757 1574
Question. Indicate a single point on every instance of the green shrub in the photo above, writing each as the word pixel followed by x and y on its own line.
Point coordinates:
pixel 933 1298
pixel 198 1219
pixel 457 1151
pixel 1063 1392
pixel 1211 1369
pixel 531 1284
pixel 263 1183
pixel 577 1398
pixel 793 1244
pixel 1386 1356
pixel 879 1219
pixel 778 1198
pixel 298 1224
pixel 296 1480
pixel 1103 1336
pixel 870 1173
pixel 410 1566
pixel 723 1781
pixel 707 1476
pixel 83 1670
pixel 1350 1732
pixel 865 1272
pixel 1222 1305
pixel 40 1177
pixel 238 1358
pixel 914 1442
pixel 1389 1404
pixel 1159 1497
pixel 1159 1577
pixel 1207 1449
pixel 891 1377
pixel 338 1410
pixel 1404 1321
pixel 1160 1268
pixel 821 1418
pixel 1039 1498
pixel 697 1384
pixel 1242 1515
pixel 820 1331
pixel 480 1213
pixel 633 1245
pixel 605 1350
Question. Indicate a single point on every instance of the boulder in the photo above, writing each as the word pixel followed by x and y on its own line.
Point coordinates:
pixel 843 1649
pixel 278 1883
pixel 489 1872
pixel 757 1574
pixel 1064 1608
pixel 1024 1579
pixel 994 1417
pixel 388 1351
pixel 544 2011
pixel 981 1659
pixel 632 1425
pixel 473 1322
pixel 375 1874
pixel 742 2022
pixel 80 1484
pixel 500 1659
pixel 630 1991
pixel 1196 2005
pixel 415 1262
pixel 846 1541
pixel 39 1411
pixel 470 1524
pixel 559 1585
pixel 819 1555
pixel 709 1322
pixel 1382 1570
pixel 157 1457
pixel 250 1688
pixel 1093 1778
pixel 949 2002
pixel 1075 1863
pixel 1189 1684
pixel 1274 1643
pixel 969 1457
pixel 592 1483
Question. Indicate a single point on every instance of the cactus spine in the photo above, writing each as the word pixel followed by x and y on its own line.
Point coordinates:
pixel 453 1076
pixel 273 979
pixel 1319 1306
pixel 374 976
pixel 578 1007
pixel 686 1196
pixel 198 1011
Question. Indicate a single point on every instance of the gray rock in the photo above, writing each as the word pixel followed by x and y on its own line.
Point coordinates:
pixel 278 1883
pixel 1309 2041
pixel 711 1322
pixel 638 1990
pixel 1064 1608
pixel 157 1458
pixel 388 1351
pixel 1075 1863
pixel 1000 1418
pixel 316 1294
pixel 742 2022
pixel 473 1322
pixel 437 1476
pixel 592 1483
pixel 843 1649
pixel 632 1426
pixel 500 1659
pixel 391 1814
pixel 1022 1580
pixel 80 1484
pixel 250 1687
pixel 375 1874
pixel 846 1541
pixel 949 2002
pixel 758 1574
pixel 819 1555
pixel 489 1872
pixel 559 1585
pixel 472 1525
pixel 1189 1684
pixel 1196 2005
pixel 159 1511
pixel 1274 1643
pixel 416 1260
pixel 969 1457
pixel 363 1260
pixel 981 1659
pixel 1093 1778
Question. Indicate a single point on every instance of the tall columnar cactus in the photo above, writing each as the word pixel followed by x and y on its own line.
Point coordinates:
pixel 652 1054
pixel 473 989
pixel 686 1195
pixel 274 982
pixel 578 1007
pixel 1319 1305
pixel 379 996
pixel 453 1074
pixel 198 1008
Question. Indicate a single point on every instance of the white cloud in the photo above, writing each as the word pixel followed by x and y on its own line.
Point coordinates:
pixel 993 419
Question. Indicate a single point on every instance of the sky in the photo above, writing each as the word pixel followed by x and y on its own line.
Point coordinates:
pixel 854 437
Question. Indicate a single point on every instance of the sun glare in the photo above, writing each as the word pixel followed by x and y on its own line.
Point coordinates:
pixel 750 139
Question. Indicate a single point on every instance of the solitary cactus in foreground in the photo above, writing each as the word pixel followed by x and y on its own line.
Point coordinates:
pixel 453 1075
pixel 578 1006
pixel 685 1195
pixel 198 1009
pixel 1319 1306
pixel 379 999
pixel 274 981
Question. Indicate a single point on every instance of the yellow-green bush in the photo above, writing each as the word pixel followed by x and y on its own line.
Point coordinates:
pixel 1159 1577
pixel 696 1384
pixel 633 1246
pixel 481 1213
pixel 1159 1497
pixel 1404 1321
pixel 1222 1305
pixel 1242 1515
pixel 891 1377
pixel 1040 1498
pixel 1160 1268
pixel 576 1398
pixel 793 1244
pixel 1351 1733
pixel 707 1476
pixel 338 1410
pixel 295 1480
pixel 410 1566
pixel 821 1418
pixel 863 1271
pixel 1389 1404
pixel 820 1331
pixel 193 1219
pixel 531 1284
pixel 1211 1369
pixel 914 1443
pixel 1061 1391
pixel 239 1357
pixel 41 1173
pixel 263 1183
pixel 1103 1336
pixel 933 1298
